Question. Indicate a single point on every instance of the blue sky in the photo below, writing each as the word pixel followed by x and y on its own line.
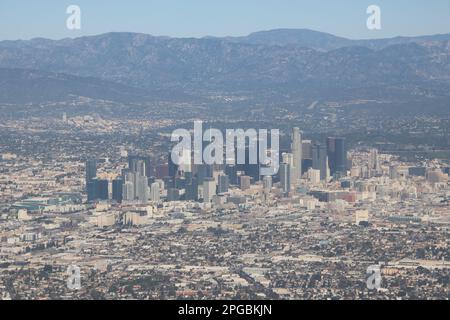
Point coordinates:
pixel 20 19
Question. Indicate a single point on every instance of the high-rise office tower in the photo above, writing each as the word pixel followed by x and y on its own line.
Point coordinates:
pixel 331 154
pixel 128 191
pixel 97 190
pixel 91 170
pixel 296 149
pixel 307 149
pixel 102 189
pixel 173 168
pixel 373 158
pixel 306 165
pixel 155 192
pixel 231 172
pixel 341 156
pixel 374 161
pixel 91 190
pixel 253 170
pixel 320 160
pixel 223 184
pixel 204 171
pixel 306 155
pixel 209 189
pixel 129 186
pixel 136 181
pixel 185 162
pixel 285 177
pixel 133 165
pixel 140 168
pixel 142 192
pixel 288 158
pixel 337 155
pixel 245 182
pixel 192 189
pixel 251 167
pixel 267 183
pixel 117 190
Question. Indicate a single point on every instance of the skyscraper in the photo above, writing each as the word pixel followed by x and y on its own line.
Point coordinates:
pixel 133 164
pixel 337 155
pixel 331 154
pixel 192 189
pixel 251 167
pixel 306 155
pixel 267 183
pixel 296 149
pixel 204 171
pixel 142 192
pixel 155 192
pixel 91 169
pixel 91 190
pixel 285 177
pixel 245 182
pixel 223 184
pixel 231 172
pixel 288 158
pixel 135 187
pixel 306 149
pixel 97 190
pixel 320 160
pixel 140 168
pixel 173 168
pixel 117 190
pixel 128 191
pixel 341 156
pixel 128 185
pixel 185 162
pixel 209 189
pixel 91 181
pixel 374 162
pixel 102 191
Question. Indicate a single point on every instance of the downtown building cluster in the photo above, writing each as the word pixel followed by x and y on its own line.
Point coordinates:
pixel 141 182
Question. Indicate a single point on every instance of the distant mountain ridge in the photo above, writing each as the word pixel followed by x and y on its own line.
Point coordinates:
pixel 324 41
pixel 298 37
pixel 293 62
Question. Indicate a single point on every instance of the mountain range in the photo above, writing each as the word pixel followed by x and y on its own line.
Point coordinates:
pixel 129 67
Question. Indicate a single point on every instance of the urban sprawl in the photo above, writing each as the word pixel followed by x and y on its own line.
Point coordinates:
pixel 137 226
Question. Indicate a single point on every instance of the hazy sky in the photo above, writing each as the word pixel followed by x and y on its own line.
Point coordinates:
pixel 20 19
